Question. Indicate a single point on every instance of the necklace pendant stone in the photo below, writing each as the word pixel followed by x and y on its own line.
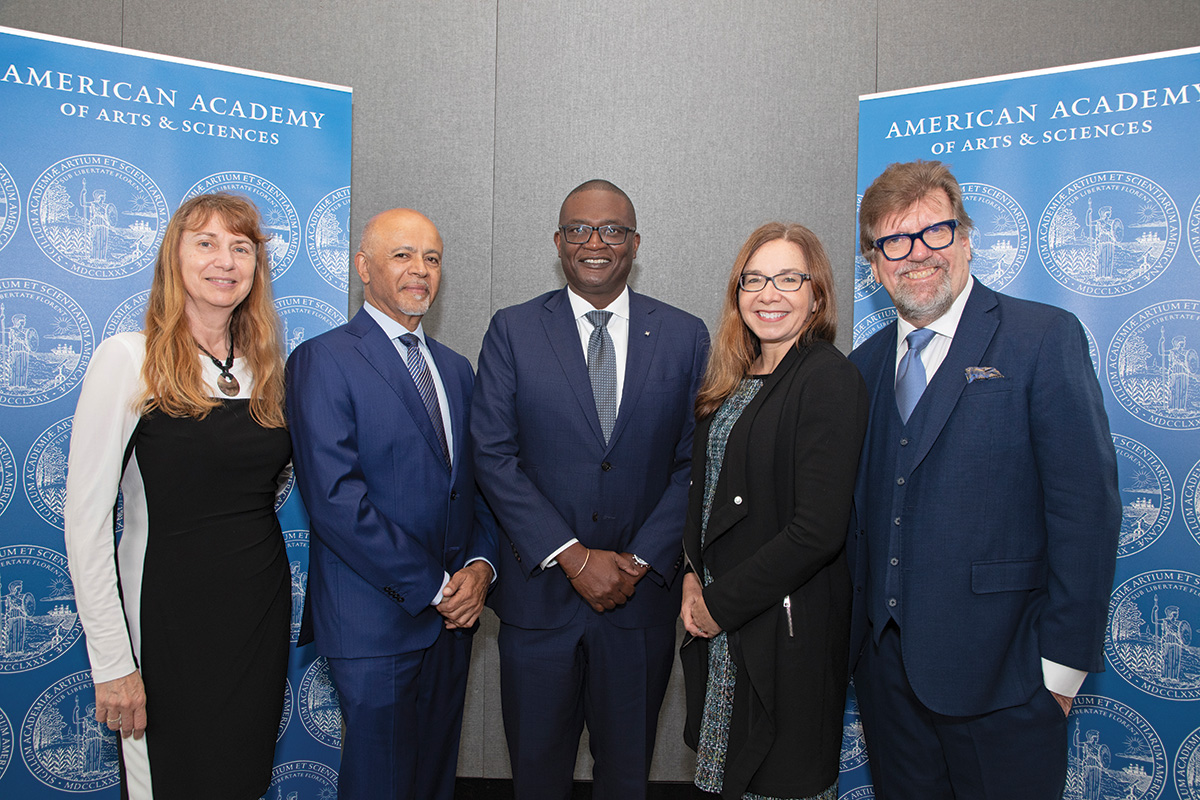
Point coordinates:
pixel 228 385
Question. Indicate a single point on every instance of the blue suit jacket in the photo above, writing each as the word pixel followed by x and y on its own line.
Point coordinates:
pixel 387 518
pixel 998 502
pixel 547 473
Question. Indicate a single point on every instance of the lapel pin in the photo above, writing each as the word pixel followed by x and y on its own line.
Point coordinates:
pixel 647 333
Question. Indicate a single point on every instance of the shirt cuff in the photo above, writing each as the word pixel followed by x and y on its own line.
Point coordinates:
pixel 438 597
pixel 484 560
pixel 1061 679
pixel 552 559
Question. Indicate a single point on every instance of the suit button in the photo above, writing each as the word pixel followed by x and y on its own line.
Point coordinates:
pixel 899 481
pixel 595 517
pixel 895 561
pixel 737 501
pixel 904 442
pixel 892 602
pixel 896 520
pixel 606 466
pixel 454 494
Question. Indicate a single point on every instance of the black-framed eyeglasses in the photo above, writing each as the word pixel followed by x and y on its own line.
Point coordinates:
pixel 609 234
pixel 784 281
pixel 937 236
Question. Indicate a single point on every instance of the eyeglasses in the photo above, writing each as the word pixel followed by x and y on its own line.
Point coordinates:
pixel 937 236
pixel 784 281
pixel 609 234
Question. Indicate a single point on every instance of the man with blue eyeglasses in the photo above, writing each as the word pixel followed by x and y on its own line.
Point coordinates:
pixel 986 514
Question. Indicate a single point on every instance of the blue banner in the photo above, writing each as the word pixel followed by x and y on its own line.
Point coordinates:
pixel 1083 188
pixel 98 145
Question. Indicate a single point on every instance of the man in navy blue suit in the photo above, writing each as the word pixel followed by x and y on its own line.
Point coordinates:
pixel 986 514
pixel 402 547
pixel 583 433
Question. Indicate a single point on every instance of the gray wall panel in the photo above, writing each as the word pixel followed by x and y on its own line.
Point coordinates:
pixel 91 20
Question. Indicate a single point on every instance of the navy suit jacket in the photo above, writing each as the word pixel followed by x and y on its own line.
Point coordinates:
pixel 998 502
pixel 547 473
pixel 387 517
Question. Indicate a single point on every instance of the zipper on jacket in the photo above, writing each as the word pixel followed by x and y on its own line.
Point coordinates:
pixel 787 606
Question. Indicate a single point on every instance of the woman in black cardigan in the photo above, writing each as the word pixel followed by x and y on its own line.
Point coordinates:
pixel 766 601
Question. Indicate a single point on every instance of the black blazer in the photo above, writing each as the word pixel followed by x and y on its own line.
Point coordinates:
pixel 777 530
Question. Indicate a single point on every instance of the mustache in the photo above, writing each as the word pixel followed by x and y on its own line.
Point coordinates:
pixel 932 261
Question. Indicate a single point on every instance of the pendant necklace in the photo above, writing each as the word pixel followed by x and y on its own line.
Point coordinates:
pixel 228 384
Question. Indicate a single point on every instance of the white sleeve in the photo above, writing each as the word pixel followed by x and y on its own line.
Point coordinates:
pixel 104 421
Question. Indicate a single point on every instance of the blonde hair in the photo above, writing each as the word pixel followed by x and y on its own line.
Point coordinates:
pixel 735 346
pixel 171 372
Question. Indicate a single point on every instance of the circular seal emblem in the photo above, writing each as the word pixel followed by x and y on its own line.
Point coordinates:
pixel 1001 238
pixel 296 543
pixel 1150 633
pixel 46 342
pixel 128 317
pixel 318 705
pixel 302 780
pixel 1190 504
pixel 6 743
pixel 1109 233
pixel 287 483
pixel 1152 365
pixel 865 284
pixel 861 793
pixel 328 238
pixel 97 216
pixel 1187 767
pixel 62 743
pixel 854 744
pixel 38 621
pixel 46 472
pixel 278 214
pixel 1113 753
pixel 287 708
pixel 10 209
pixel 8 475
pixel 1193 229
pixel 1147 494
pixel 305 317
pixel 872 323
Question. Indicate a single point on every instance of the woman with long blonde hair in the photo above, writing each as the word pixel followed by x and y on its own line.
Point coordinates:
pixel 781 417
pixel 187 610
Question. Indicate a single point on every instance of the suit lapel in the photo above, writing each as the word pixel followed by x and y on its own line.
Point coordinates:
pixel 643 339
pixel 877 363
pixel 971 339
pixel 380 353
pixel 454 399
pixel 563 333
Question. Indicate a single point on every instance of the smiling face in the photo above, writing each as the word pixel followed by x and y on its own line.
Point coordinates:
pixel 926 283
pixel 776 318
pixel 216 266
pixel 400 263
pixel 597 271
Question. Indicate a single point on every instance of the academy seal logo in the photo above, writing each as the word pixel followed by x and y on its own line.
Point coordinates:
pixel 296 543
pixel 38 622
pixel 285 489
pixel 1191 502
pixel 318 705
pixel 872 323
pixel 97 216
pixel 328 238
pixel 1187 767
pixel 1152 365
pixel 1001 238
pixel 128 317
pixel 854 744
pixel 46 342
pixel 865 284
pixel 302 780
pixel 286 717
pixel 278 214
pixel 63 745
pixel 8 476
pixel 1193 229
pixel 1147 495
pixel 6 742
pixel 10 207
pixel 305 317
pixel 1114 753
pixel 1109 233
pixel 46 472
pixel 861 793
pixel 1150 627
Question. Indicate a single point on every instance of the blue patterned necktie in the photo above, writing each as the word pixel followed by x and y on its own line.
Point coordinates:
pixel 910 377
pixel 423 378
pixel 602 369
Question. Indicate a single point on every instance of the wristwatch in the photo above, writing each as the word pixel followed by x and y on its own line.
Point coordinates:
pixel 641 562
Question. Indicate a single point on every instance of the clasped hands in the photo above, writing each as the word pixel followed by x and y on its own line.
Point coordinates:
pixel 462 599
pixel 604 578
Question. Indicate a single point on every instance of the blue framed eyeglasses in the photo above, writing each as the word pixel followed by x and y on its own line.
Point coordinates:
pixel 937 236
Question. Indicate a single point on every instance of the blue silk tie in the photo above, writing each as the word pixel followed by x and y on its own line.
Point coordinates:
pixel 602 369
pixel 910 376
pixel 423 378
